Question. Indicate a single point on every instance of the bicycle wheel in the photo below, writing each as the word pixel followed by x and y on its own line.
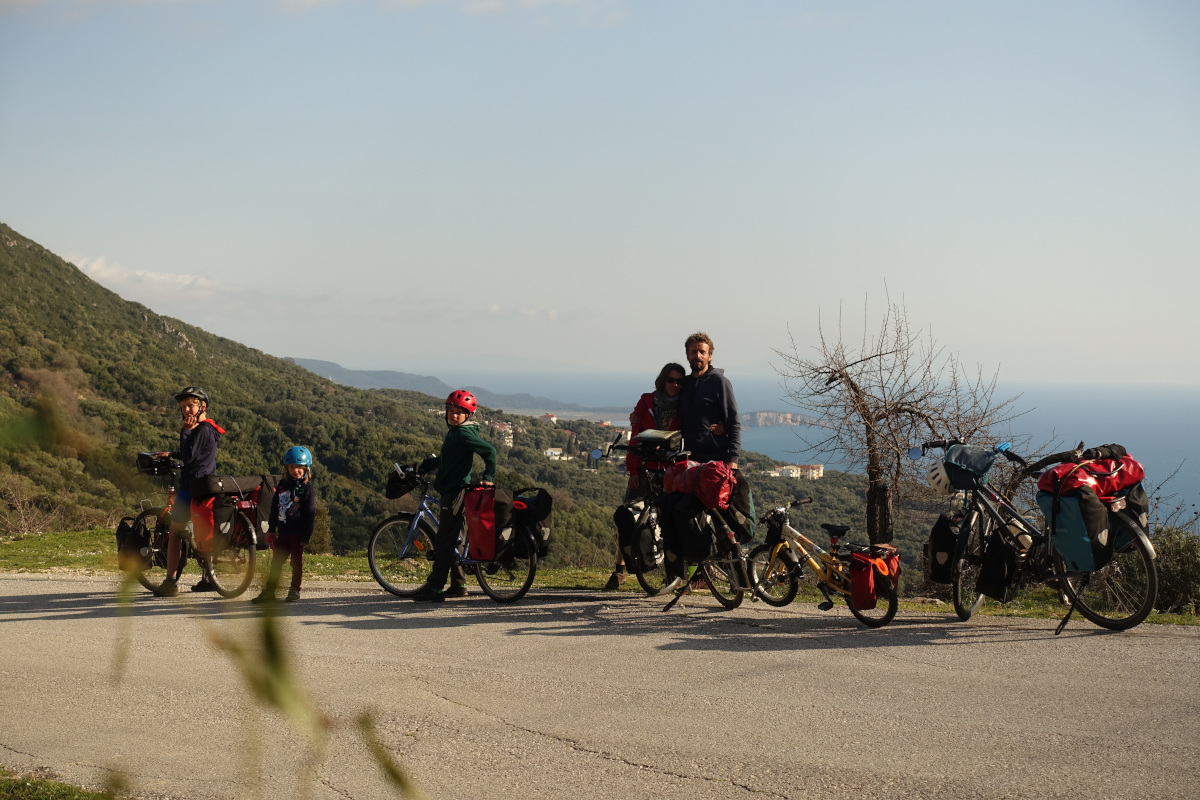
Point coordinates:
pixel 968 558
pixel 157 523
pixel 885 603
pixel 721 577
pixel 399 563
pixel 1120 594
pixel 649 562
pixel 507 579
pixel 231 565
pixel 776 585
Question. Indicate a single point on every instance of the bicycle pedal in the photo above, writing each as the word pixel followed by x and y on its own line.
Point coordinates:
pixel 828 604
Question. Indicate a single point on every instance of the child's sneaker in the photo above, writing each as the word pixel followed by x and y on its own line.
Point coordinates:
pixel 263 597
pixel 427 595
pixel 292 596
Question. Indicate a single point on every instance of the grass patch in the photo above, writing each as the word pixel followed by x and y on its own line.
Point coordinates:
pixel 13 787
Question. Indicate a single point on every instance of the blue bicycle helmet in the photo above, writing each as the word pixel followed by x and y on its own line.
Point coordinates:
pixel 298 455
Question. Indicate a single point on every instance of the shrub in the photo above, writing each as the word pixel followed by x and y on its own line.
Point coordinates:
pixel 1178 570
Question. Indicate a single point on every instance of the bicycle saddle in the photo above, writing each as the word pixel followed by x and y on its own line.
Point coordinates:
pixel 835 530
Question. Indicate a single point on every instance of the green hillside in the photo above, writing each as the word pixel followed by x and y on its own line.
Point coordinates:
pixel 87 382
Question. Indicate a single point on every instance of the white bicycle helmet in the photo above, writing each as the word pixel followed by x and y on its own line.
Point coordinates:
pixel 939 479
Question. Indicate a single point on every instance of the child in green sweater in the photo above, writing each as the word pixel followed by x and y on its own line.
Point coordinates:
pixel 453 465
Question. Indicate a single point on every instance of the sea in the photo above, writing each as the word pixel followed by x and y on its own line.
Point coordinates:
pixel 1157 423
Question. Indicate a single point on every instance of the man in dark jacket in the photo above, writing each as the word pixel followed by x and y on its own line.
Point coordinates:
pixel 708 417
pixel 708 414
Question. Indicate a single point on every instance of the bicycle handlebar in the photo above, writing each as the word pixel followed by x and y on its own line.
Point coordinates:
pixel 1056 458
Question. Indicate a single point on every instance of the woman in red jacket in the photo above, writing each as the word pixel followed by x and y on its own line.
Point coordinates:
pixel 657 410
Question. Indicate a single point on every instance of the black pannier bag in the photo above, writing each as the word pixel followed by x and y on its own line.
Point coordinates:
pixel 999 571
pixel 625 518
pixel 223 508
pixel 688 531
pixel 532 508
pixel 939 550
pixel 968 465
pixel 211 485
pixel 130 541
pixel 262 508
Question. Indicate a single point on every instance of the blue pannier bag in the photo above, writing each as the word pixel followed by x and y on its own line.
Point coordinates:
pixel 1079 529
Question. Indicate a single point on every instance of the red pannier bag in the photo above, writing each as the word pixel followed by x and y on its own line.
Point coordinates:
pixel 884 559
pixel 1104 476
pixel 712 482
pixel 714 485
pixel 202 523
pixel 487 510
pixel 680 477
pixel 862 582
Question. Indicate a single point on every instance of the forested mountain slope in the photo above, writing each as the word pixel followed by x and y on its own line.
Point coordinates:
pixel 87 382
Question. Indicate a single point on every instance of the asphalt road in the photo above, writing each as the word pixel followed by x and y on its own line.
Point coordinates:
pixel 589 695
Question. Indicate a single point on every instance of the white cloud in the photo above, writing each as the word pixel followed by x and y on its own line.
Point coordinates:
pixel 141 285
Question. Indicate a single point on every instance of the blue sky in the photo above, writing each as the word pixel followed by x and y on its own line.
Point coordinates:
pixel 576 185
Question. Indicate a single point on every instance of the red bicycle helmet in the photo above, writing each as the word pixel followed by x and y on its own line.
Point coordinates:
pixel 463 399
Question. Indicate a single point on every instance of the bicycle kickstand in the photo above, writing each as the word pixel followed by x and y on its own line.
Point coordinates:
pixel 1063 624
pixel 828 604
pixel 682 589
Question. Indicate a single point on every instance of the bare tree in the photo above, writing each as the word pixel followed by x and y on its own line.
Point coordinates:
pixel 871 403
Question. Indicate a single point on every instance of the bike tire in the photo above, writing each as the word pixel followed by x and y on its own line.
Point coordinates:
pixel 775 585
pixel 401 564
pixel 1121 594
pixel 968 559
pixel 651 573
pixel 507 579
pixel 886 601
pixel 231 565
pixel 722 582
pixel 154 565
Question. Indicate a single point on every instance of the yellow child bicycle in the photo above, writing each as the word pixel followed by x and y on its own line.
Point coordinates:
pixel 867 576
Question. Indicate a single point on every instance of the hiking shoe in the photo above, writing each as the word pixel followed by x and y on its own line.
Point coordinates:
pixel 427 595
pixel 205 585
pixel 292 596
pixel 169 588
pixel 263 597
pixel 614 581
pixel 455 591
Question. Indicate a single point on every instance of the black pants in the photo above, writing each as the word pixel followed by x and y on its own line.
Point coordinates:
pixel 450 525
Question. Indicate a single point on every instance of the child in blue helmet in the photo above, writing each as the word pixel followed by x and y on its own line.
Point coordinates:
pixel 293 513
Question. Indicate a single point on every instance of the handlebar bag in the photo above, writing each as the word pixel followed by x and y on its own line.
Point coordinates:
pixel 400 484
pixel 968 465
pixel 939 550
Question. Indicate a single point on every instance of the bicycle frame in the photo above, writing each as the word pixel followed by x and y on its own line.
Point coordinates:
pixel 827 566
